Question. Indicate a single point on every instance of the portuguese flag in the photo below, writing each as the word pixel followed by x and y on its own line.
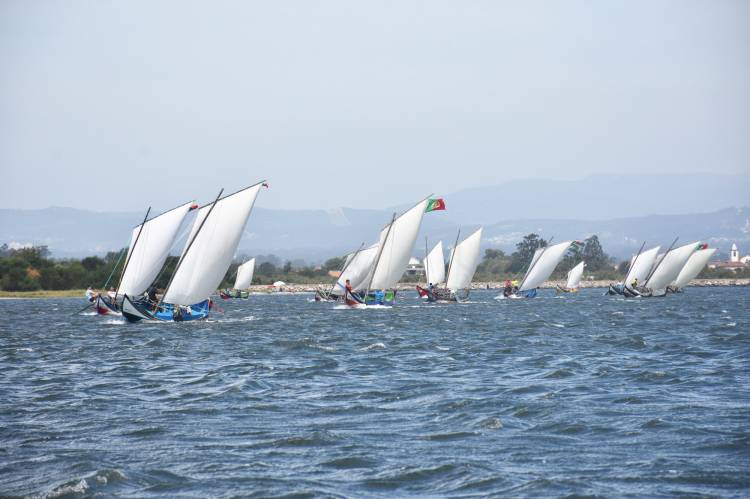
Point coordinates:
pixel 435 205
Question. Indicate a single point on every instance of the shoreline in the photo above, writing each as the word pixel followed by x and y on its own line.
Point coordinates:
pixel 310 288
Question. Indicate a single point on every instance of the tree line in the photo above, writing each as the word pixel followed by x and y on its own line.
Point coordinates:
pixel 32 268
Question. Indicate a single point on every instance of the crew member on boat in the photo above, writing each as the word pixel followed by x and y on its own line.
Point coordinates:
pixel 508 290
pixel 151 294
pixel 90 294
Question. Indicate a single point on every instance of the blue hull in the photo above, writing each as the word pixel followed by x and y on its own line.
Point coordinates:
pixel 135 311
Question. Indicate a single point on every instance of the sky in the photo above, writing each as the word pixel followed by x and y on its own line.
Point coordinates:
pixel 117 105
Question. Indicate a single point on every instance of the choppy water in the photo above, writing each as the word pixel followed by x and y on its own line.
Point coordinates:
pixel 581 394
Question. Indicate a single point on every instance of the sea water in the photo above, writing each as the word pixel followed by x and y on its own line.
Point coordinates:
pixel 578 394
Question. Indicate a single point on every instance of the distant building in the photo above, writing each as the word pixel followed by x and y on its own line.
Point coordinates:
pixel 415 267
pixel 735 262
pixel 734 254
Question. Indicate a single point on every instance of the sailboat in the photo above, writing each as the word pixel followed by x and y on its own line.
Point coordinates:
pixel 356 268
pixel 150 243
pixel 640 267
pixel 667 269
pixel 692 268
pixel 394 249
pixel 242 281
pixel 461 268
pixel 543 263
pixel 205 259
pixel 574 279
pixel 434 269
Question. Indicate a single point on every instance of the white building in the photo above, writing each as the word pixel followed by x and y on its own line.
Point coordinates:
pixel 734 256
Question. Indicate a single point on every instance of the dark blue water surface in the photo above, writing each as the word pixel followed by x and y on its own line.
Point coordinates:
pixel 580 394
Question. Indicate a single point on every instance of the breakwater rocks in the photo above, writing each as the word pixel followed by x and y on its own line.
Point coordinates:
pixel 308 288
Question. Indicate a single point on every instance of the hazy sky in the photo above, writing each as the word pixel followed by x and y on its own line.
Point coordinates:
pixel 117 105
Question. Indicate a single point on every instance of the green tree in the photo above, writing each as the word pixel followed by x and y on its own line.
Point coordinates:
pixel 490 254
pixel 594 255
pixel 525 249
pixel 335 263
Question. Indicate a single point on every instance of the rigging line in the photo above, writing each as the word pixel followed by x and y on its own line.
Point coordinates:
pixel 130 255
pixel 122 252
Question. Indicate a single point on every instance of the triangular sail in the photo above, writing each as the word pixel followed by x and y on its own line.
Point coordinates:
pixel 574 276
pixel 670 267
pixel 357 269
pixel 537 253
pixel 435 265
pixel 548 259
pixel 245 274
pixel 693 267
pixel 397 246
pixel 151 251
pixel 465 261
pixel 211 247
pixel 642 266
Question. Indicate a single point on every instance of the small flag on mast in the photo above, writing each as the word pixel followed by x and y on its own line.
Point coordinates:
pixel 435 204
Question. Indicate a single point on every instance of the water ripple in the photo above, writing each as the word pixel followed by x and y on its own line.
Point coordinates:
pixel 578 395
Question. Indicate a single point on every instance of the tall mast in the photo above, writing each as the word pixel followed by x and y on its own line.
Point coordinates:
pixel 380 252
pixel 426 263
pixel 450 263
pixel 535 262
pixel 190 244
pixel 346 266
pixel 132 250
pixel 660 261
pixel 633 265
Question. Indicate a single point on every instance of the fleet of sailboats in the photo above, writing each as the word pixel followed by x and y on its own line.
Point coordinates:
pixel 462 265
pixel 369 274
pixel 204 261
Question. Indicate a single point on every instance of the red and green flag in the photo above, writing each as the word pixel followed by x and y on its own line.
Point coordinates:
pixel 435 204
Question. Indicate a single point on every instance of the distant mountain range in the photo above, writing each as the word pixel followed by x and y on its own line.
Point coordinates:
pixel 614 208
pixel 599 197
pixel 316 235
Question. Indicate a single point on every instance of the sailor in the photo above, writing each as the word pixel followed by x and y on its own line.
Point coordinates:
pixel 508 289
pixel 348 288
pixel 90 294
pixel 634 284
pixel 111 293
pixel 151 293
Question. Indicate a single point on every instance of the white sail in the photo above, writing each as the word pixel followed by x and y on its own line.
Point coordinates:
pixel 574 276
pixel 537 253
pixel 209 250
pixel 465 261
pixel 434 265
pixel 245 274
pixel 546 261
pixel 357 270
pixel 397 246
pixel 642 266
pixel 693 267
pixel 670 267
pixel 151 250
